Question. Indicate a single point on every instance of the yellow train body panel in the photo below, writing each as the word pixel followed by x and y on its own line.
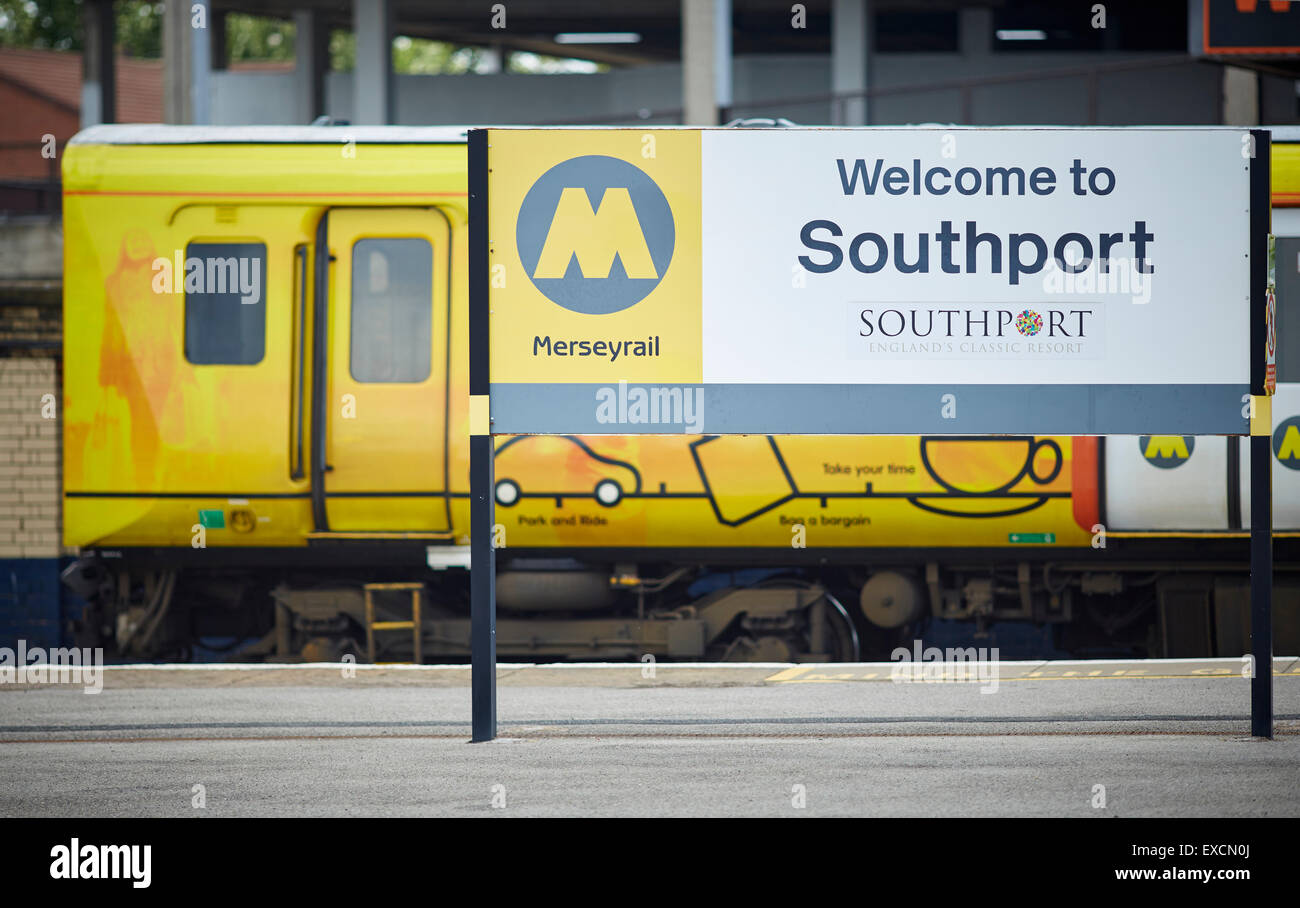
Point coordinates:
pixel 138 417
pixel 152 439
pixel 1284 167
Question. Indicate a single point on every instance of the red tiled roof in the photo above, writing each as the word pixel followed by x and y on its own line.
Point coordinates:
pixel 56 75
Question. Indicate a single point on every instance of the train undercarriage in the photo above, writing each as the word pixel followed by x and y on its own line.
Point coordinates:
pixel 153 605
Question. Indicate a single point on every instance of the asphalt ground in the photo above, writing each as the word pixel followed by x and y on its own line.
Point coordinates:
pixel 1165 738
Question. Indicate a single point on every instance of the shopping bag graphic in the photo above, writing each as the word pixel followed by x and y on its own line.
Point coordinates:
pixel 744 475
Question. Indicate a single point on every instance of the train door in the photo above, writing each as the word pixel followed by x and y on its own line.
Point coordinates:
pixel 384 404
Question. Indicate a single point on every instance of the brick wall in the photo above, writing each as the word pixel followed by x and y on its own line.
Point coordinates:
pixel 28 118
pixel 30 441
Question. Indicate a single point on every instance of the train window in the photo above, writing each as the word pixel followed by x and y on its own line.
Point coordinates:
pixel 225 303
pixel 392 309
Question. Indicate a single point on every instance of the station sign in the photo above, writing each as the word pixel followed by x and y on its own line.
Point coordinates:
pixel 887 281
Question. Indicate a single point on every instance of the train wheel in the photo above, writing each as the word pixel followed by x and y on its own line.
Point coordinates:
pixel 822 630
pixel 842 643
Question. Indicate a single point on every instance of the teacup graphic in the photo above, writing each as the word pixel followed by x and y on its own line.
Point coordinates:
pixel 987 465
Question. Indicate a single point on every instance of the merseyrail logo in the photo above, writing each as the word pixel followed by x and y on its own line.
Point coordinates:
pixel 1286 443
pixel 595 234
pixel 1167 451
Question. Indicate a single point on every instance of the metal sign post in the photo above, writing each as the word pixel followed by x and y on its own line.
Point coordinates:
pixel 1261 446
pixel 483 566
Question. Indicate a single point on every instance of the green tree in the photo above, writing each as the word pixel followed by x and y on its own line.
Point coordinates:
pixel 51 24
pixel 139 29
pixel 343 51
pixel 56 25
pixel 256 38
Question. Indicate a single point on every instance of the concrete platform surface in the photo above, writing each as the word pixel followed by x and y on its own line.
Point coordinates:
pixel 1149 738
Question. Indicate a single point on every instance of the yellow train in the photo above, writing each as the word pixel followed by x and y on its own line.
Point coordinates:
pixel 265 387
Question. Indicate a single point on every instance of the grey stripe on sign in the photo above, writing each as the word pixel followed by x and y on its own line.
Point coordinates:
pixel 784 409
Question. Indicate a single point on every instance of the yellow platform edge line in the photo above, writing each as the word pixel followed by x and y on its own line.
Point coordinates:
pixel 878 677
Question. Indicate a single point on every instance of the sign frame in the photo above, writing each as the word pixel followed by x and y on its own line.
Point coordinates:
pixel 483 430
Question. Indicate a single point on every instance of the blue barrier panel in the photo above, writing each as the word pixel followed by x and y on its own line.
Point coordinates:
pixel 30 602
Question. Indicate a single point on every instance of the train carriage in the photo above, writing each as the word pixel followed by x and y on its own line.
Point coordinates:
pixel 266 428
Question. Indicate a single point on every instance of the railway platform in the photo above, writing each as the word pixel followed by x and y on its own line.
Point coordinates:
pixel 1156 738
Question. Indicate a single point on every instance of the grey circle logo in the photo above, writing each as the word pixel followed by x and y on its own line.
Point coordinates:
pixel 1286 443
pixel 1167 451
pixel 595 234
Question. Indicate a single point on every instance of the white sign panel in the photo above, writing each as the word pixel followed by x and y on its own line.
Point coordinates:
pixel 1046 256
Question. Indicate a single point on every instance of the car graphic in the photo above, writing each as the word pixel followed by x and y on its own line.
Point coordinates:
pixel 531 466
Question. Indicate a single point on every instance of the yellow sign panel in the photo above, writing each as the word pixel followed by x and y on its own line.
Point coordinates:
pixel 595 255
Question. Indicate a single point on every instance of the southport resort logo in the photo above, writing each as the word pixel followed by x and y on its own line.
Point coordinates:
pixel 1072 330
